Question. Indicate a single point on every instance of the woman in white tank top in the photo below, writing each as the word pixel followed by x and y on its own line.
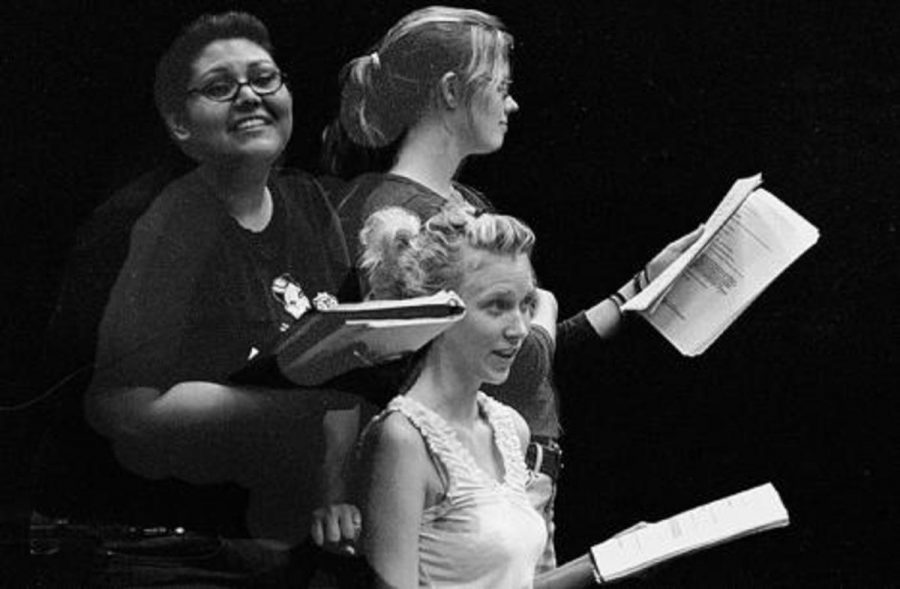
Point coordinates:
pixel 443 487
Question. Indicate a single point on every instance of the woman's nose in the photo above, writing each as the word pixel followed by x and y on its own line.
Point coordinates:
pixel 518 326
pixel 246 96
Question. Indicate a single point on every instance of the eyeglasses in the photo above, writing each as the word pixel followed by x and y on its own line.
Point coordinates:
pixel 225 89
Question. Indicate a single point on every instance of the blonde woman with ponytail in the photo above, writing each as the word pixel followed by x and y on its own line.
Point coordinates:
pixel 434 91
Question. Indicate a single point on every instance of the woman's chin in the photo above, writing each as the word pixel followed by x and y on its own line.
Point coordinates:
pixel 263 148
pixel 252 149
pixel 497 377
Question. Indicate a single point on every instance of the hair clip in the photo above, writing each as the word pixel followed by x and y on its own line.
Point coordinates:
pixel 479 211
pixel 375 59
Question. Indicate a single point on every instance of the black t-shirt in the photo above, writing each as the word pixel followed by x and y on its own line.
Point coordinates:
pixel 196 295
pixel 197 292
pixel 530 388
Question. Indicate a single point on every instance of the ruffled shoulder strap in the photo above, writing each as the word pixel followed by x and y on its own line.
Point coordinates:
pixel 500 416
pixel 442 443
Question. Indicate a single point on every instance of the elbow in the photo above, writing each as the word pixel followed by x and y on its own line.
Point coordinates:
pixel 119 412
pixel 123 416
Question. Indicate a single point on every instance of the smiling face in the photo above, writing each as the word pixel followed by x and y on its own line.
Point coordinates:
pixel 499 293
pixel 249 125
pixel 489 112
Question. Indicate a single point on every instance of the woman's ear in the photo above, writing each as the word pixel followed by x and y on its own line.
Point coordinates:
pixel 451 90
pixel 177 127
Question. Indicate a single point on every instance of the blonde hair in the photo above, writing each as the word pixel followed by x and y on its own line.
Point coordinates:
pixel 404 257
pixel 387 90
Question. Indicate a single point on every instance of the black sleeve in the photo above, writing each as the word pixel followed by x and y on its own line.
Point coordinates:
pixel 144 325
pixel 101 246
pixel 476 198
pixel 574 332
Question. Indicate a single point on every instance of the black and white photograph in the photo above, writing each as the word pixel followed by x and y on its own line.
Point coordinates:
pixel 339 294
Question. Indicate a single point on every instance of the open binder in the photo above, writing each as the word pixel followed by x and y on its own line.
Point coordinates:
pixel 324 344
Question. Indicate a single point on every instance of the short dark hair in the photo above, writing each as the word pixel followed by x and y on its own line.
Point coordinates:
pixel 174 68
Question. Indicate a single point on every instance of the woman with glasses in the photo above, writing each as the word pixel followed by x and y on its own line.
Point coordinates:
pixel 224 259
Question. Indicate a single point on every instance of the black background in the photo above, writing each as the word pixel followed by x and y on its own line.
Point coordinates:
pixel 635 119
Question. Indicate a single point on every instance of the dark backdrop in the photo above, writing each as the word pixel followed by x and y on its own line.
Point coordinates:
pixel 635 119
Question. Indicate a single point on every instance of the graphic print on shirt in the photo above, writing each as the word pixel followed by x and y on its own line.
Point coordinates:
pixel 289 293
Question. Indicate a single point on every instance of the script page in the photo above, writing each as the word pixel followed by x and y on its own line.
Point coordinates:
pixel 650 296
pixel 762 238
pixel 750 511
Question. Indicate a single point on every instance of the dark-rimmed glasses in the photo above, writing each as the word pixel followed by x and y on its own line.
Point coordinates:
pixel 225 89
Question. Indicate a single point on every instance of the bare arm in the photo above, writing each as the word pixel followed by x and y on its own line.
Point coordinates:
pixel 337 523
pixel 395 490
pixel 575 573
pixel 199 431
pixel 341 429
pixel 606 316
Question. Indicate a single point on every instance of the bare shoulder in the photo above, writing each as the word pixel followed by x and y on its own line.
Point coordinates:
pixel 394 457
pixel 395 436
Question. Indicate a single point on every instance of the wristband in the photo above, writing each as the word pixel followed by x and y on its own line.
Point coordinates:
pixel 618 300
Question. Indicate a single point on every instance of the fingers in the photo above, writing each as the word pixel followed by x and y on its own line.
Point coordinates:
pixel 318 536
pixel 333 528
pixel 634 528
pixel 336 527
pixel 685 241
pixel 350 523
pixel 350 527
pixel 320 522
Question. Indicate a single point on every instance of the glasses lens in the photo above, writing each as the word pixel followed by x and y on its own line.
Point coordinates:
pixel 220 89
pixel 225 89
pixel 266 82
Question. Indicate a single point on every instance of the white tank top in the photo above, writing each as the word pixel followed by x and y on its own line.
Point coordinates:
pixel 484 533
